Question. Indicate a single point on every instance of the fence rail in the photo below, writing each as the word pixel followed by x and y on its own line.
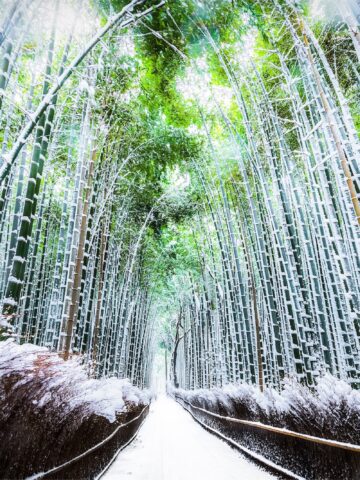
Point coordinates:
pixel 301 455
pixel 282 431
pixel 91 450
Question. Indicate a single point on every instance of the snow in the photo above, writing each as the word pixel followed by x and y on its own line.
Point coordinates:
pixel 327 394
pixel 13 279
pixel 9 301
pixel 172 446
pixel 4 323
pixel 67 382
pixel 19 259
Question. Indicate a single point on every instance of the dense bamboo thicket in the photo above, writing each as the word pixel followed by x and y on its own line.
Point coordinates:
pixel 278 239
pixel 71 272
pixel 188 170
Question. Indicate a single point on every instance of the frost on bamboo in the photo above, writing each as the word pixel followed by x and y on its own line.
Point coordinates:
pixel 66 282
pixel 92 212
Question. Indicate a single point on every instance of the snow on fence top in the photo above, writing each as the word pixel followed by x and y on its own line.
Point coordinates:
pixel 330 409
pixel 328 393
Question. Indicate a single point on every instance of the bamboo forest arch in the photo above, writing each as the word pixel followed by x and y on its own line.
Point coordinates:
pixel 183 175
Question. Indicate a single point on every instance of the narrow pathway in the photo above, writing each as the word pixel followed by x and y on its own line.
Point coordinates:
pixel 172 446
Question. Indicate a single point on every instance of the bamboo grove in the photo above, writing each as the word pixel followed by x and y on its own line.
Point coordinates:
pixel 189 172
pixel 278 294
pixel 70 255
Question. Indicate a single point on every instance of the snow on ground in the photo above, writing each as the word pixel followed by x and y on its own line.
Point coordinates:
pixel 172 446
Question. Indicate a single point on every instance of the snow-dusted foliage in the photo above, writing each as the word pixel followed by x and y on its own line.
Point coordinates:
pixel 53 404
pixel 50 382
pixel 316 434
pixel 330 410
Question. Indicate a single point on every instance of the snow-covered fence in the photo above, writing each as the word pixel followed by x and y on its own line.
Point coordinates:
pixel 96 460
pixel 280 431
pixel 77 424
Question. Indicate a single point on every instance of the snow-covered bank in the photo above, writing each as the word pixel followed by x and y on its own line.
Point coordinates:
pixel 50 403
pixel 331 410
pixel 65 383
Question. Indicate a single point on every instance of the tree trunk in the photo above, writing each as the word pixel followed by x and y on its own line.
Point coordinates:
pixel 75 291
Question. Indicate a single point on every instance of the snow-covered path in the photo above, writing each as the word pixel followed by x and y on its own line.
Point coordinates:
pixel 172 446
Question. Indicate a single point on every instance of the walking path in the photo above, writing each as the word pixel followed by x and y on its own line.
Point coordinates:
pixel 172 446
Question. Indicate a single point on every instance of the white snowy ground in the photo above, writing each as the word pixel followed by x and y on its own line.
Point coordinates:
pixel 172 446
